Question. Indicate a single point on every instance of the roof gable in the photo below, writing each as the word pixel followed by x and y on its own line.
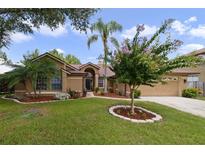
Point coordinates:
pixel 54 58
pixel 89 64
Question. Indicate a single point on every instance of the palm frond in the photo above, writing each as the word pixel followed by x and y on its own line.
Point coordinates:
pixel 98 26
pixel 115 42
pixel 113 26
pixel 92 39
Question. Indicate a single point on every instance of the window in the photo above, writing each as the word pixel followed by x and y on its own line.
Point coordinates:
pixel 192 78
pixel 56 83
pixel 41 83
pixel 100 82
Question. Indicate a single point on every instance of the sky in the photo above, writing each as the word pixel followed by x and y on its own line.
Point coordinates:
pixel 189 27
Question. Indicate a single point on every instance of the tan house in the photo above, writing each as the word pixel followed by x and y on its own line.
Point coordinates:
pixel 197 80
pixel 87 77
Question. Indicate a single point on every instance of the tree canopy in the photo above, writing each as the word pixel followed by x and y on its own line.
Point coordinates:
pixel 24 20
pixel 143 61
pixel 4 59
pixel 30 72
pixel 71 59
pixel 30 55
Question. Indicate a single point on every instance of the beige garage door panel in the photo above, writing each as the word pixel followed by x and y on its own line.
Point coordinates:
pixel 169 89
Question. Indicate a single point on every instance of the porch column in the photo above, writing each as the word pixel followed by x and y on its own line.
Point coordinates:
pixel 96 80
pixel 180 85
pixel 64 80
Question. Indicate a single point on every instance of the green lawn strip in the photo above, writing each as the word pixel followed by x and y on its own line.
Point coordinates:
pixel 87 121
pixel 201 98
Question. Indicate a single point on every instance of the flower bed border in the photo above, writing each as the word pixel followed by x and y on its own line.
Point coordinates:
pixel 156 118
pixel 17 101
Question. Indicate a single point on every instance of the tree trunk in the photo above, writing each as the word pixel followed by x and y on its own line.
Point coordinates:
pixel 132 101
pixel 105 79
pixel 105 64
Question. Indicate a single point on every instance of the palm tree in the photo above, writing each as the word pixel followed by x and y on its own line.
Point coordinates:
pixel 30 71
pixel 15 76
pixel 105 31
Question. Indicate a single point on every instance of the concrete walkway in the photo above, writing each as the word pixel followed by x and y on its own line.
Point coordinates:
pixel 193 106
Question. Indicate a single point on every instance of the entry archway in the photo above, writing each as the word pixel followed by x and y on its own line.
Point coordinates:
pixel 89 79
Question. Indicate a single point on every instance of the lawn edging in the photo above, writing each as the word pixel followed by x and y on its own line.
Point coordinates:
pixel 17 101
pixel 156 118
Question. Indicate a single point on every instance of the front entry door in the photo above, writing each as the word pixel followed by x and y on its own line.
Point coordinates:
pixel 88 84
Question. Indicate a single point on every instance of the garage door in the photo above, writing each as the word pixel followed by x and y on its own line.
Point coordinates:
pixel 168 89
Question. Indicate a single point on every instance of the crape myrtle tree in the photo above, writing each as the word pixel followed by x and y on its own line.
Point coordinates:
pixel 24 20
pixel 143 61
pixel 104 31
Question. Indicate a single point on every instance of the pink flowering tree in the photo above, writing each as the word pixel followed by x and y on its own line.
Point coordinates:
pixel 143 61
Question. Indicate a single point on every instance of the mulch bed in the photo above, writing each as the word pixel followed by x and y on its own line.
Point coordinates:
pixel 111 95
pixel 138 115
pixel 37 99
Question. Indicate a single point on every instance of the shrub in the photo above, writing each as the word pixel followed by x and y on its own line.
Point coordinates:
pixel 110 90
pixel 190 92
pixel 102 93
pixel 73 93
pixel 137 94
pixel 120 93
pixel 97 89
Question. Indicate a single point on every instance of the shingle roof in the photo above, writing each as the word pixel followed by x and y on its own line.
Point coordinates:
pixel 197 52
pixel 101 69
pixel 110 73
pixel 185 71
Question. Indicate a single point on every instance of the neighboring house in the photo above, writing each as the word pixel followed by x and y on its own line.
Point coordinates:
pixel 87 77
pixel 198 80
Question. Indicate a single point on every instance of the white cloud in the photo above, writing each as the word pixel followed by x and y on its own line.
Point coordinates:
pixel 191 19
pixel 1 61
pixel 60 50
pixel 5 68
pixel 20 37
pixel 179 27
pixel 190 47
pixel 198 32
pixel 45 30
pixel 129 33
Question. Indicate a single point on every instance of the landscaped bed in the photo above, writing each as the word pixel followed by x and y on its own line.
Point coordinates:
pixel 29 98
pixel 87 121
pixel 110 95
pixel 37 99
pixel 140 114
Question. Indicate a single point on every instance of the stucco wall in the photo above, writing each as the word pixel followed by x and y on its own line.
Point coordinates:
pixel 171 88
pixel 75 83
pixel 201 69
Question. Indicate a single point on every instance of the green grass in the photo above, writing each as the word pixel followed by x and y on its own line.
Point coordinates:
pixel 200 98
pixel 87 121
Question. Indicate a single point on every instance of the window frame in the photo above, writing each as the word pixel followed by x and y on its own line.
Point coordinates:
pixel 101 79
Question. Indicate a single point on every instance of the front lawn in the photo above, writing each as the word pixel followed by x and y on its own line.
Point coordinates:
pixel 87 121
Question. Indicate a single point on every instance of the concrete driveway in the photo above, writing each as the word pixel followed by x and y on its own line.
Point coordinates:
pixel 193 106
